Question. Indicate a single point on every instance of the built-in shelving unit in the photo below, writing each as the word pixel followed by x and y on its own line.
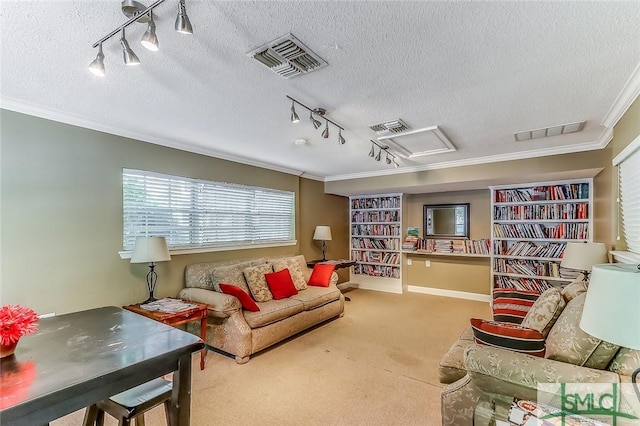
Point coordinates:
pixel 530 226
pixel 376 241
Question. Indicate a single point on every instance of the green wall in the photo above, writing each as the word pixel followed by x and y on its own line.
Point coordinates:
pixel 61 214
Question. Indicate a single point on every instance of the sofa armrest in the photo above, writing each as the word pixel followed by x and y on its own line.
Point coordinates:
pixel 220 305
pixel 507 372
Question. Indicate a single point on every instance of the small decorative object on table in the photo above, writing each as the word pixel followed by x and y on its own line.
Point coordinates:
pixel 15 321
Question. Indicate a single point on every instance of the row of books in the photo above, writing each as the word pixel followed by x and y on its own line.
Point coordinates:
pixel 375 203
pixel 376 243
pixel 574 191
pixel 531 284
pixel 391 258
pixel 527 248
pixel 542 212
pixel 376 216
pixel 527 267
pixel 365 230
pixel 377 270
pixel 574 231
pixel 431 245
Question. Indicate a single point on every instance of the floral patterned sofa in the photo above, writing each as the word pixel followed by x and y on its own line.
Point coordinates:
pixel 487 377
pixel 241 332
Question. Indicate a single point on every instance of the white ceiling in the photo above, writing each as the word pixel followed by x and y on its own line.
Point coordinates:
pixel 481 71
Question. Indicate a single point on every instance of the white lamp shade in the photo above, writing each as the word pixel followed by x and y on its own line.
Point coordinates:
pixel 322 233
pixel 150 249
pixel 612 307
pixel 583 256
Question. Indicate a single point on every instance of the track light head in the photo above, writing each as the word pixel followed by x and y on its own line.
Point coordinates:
pixel 378 156
pixel 395 164
pixel 341 139
pixel 97 65
pixel 130 58
pixel 150 39
pixel 316 123
pixel 325 132
pixel 183 25
pixel 388 159
pixel 294 116
pixel 372 153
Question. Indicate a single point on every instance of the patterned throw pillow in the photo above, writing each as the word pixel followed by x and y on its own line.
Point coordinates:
pixel 573 289
pixel 257 282
pixel 281 284
pixel 246 300
pixel 545 311
pixel 511 305
pixel 230 274
pixel 568 343
pixel 321 275
pixel 508 336
pixel 295 266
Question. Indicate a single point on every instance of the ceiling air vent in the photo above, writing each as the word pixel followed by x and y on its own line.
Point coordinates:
pixel 562 129
pixel 288 57
pixel 393 126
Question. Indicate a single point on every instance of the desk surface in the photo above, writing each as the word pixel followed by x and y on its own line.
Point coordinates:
pixel 80 358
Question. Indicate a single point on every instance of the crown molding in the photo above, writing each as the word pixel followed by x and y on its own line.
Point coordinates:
pixel 627 96
pixel 74 120
pixel 602 142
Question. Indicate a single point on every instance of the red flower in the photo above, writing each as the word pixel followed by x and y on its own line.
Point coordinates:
pixel 16 321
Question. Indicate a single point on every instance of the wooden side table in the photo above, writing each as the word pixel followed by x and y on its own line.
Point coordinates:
pixel 177 318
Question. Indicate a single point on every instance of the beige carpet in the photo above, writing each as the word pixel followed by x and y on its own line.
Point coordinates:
pixel 378 365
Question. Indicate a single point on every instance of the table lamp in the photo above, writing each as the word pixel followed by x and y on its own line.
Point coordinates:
pixel 150 249
pixel 612 307
pixel 582 256
pixel 323 233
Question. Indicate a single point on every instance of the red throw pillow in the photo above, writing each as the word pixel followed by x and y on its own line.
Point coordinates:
pixel 246 300
pixel 321 275
pixel 508 336
pixel 280 284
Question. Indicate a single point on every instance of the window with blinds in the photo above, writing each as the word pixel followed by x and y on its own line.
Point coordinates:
pixel 629 174
pixel 192 213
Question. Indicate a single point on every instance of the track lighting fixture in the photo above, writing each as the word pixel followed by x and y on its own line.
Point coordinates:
pixel 294 115
pixel 150 39
pixel 130 58
pixel 319 112
pixel 390 158
pixel 137 12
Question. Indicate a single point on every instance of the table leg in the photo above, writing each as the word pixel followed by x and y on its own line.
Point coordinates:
pixel 203 336
pixel 181 393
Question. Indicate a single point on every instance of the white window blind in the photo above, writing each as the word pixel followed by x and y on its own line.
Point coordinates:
pixel 193 213
pixel 629 174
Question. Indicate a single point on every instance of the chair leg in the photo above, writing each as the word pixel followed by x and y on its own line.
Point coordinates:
pixel 140 420
pixel 90 415
pixel 100 418
pixel 167 413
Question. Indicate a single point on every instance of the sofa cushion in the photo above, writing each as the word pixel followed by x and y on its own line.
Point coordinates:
pixel 255 277
pixel 625 362
pixel 511 305
pixel 272 311
pixel 508 336
pixel 451 366
pixel 296 266
pixel 280 284
pixel 321 275
pixel 313 297
pixel 244 298
pixel 230 274
pixel 545 311
pixel 576 288
pixel 568 343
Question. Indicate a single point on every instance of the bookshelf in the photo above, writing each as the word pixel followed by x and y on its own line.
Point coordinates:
pixel 376 241
pixel 530 226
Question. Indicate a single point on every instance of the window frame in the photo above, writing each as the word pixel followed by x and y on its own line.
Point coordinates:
pixel 630 152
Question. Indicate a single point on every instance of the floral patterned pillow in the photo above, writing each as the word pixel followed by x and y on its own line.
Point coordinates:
pixel 545 311
pixel 257 282
pixel 293 264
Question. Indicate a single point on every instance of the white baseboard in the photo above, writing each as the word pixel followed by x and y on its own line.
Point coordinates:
pixel 450 293
pixel 382 286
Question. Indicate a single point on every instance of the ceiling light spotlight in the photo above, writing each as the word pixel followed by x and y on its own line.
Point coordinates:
pixel 388 159
pixel 395 164
pixel 183 25
pixel 97 65
pixel 316 123
pixel 294 115
pixel 341 139
pixel 372 153
pixel 130 58
pixel 378 156
pixel 150 39
pixel 325 132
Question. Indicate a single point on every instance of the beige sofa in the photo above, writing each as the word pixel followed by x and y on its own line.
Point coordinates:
pixel 240 332
pixel 483 380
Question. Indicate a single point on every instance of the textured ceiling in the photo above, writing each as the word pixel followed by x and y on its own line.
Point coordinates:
pixel 481 71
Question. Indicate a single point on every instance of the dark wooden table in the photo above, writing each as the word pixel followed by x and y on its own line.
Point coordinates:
pixel 198 313
pixel 340 263
pixel 77 359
